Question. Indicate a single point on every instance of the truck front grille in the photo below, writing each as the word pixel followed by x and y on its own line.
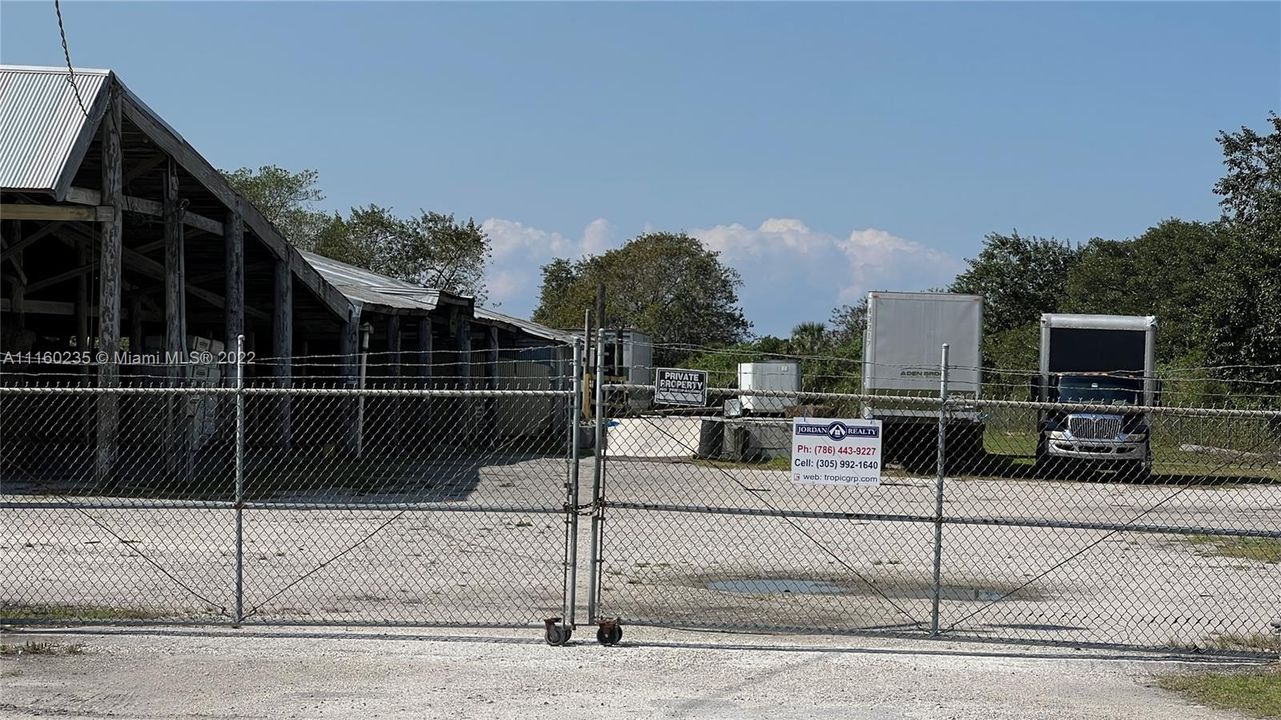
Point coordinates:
pixel 1094 428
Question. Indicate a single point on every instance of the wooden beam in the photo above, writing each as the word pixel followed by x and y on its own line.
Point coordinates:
pixel 18 246
pixel 39 285
pixel 77 213
pixel 350 430
pixel 424 351
pixel 141 263
pixel 15 257
pixel 106 101
pixel 393 374
pixel 19 283
pixel 422 408
pixel 143 206
pixel 110 239
pixel 175 274
pixel 282 328
pixel 135 324
pixel 213 181
pixel 84 256
pixel 83 196
pixel 143 167
pixel 138 262
pixel 463 356
pixel 234 284
pixel 41 307
pixel 148 247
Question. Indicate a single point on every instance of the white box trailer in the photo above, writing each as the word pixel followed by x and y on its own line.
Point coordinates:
pixel 904 337
pixel 768 377
pixel 902 356
pixel 1103 360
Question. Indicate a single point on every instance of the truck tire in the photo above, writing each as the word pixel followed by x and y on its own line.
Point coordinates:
pixel 1043 466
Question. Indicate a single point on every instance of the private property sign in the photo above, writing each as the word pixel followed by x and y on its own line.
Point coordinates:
pixel 675 386
pixel 826 451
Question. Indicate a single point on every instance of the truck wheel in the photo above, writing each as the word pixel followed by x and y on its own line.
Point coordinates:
pixel 1041 467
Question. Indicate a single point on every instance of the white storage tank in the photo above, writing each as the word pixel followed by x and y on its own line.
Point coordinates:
pixel 771 376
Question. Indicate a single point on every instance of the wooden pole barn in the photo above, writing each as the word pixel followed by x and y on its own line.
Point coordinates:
pixel 118 237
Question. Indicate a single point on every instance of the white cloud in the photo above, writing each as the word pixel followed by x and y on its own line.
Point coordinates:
pixel 791 272
pixel 519 251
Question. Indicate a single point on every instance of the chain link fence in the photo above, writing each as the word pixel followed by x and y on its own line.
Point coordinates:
pixel 994 520
pixel 454 498
pixel 442 500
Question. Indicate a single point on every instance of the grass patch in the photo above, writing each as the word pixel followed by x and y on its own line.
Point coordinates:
pixel 73 613
pixel 1267 550
pixel 39 648
pixel 1256 692
pixel 775 463
pixel 1238 641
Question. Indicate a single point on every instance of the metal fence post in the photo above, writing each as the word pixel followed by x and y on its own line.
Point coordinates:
pixel 240 479
pixel 598 475
pixel 940 466
pixel 571 551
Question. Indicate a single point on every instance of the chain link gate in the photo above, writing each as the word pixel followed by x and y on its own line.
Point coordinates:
pixel 459 503
pixel 697 524
pixel 308 503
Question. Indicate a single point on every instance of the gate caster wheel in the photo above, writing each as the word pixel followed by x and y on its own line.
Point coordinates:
pixel 556 635
pixel 609 633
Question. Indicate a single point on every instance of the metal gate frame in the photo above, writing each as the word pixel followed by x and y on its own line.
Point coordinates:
pixel 944 404
pixel 239 506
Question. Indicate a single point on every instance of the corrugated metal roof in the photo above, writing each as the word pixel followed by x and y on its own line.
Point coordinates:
pixel 362 286
pixel 366 287
pixel 40 122
pixel 527 326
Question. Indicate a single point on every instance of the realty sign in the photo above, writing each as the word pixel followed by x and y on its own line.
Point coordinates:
pixel 675 386
pixel 826 451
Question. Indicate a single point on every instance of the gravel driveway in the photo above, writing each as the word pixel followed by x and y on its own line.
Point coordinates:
pixel 181 673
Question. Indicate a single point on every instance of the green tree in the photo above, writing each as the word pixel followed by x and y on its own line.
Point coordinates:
pixel 665 284
pixel 1018 277
pixel 1242 322
pixel 810 339
pixel 287 199
pixel 430 249
pixel 1163 272
pixel 849 323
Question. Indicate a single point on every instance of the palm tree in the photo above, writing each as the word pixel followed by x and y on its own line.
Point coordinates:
pixel 810 338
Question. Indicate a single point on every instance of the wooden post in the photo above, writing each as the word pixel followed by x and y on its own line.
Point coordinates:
pixel 176 430
pixel 175 279
pixel 84 256
pixel 393 373
pixel 491 372
pixel 135 324
pixel 283 349
pixel 463 357
pixel 462 369
pixel 234 286
pixel 424 352
pixel 233 309
pixel 424 371
pixel 19 305
pixel 349 371
pixel 110 240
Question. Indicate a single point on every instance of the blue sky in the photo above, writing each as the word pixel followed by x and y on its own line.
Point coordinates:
pixel 824 149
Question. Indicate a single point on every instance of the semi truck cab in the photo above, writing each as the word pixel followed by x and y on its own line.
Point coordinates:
pixel 1106 361
pixel 1115 433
